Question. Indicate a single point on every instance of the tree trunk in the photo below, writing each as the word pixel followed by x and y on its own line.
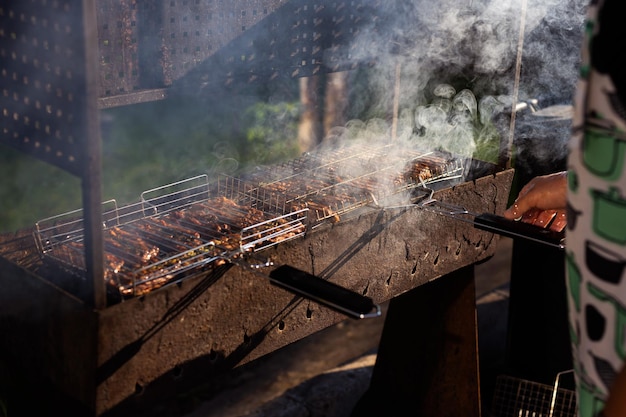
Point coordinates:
pixel 324 101
pixel 335 100
pixel 310 129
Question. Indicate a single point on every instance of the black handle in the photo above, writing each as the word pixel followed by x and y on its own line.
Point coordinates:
pixel 517 229
pixel 324 292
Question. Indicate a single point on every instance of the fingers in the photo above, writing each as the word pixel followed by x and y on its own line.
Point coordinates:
pixel 518 209
pixel 513 212
pixel 520 206
pixel 537 217
pixel 542 193
pixel 524 202
pixel 548 219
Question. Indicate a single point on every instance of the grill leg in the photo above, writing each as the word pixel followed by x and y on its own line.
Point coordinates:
pixel 427 363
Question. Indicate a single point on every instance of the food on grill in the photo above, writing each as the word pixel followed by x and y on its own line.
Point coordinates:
pixel 171 236
pixel 322 210
pixel 117 240
pixel 149 252
pixel 328 194
pixel 426 168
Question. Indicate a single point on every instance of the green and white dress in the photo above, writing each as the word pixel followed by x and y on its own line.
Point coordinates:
pixel 596 231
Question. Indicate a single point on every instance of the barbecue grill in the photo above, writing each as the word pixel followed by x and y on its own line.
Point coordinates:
pixel 189 226
pixel 112 328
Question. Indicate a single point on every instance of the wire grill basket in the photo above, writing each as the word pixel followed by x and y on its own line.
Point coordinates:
pixel 174 230
pixel 188 226
pixel 515 397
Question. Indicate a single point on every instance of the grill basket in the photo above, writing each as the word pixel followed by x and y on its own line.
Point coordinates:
pixel 154 242
pixel 187 227
pixel 516 397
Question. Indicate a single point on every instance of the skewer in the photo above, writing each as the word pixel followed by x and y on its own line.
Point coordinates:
pixel 396 103
pixel 485 221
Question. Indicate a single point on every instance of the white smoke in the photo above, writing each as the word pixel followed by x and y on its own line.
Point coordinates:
pixel 476 47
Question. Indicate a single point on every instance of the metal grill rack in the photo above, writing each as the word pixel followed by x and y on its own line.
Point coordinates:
pixel 515 397
pixel 175 230
pixel 193 224
pixel 64 60
pixel 337 181
pixel 61 62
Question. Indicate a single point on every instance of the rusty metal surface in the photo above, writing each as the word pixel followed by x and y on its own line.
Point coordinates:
pixel 207 325
pixel 147 45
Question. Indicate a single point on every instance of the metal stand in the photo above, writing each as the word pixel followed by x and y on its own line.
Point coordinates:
pixel 538 343
pixel 427 363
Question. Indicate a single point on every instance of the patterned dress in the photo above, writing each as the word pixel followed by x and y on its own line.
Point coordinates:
pixel 596 234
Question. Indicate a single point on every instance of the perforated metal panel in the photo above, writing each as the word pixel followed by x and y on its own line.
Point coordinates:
pixel 300 38
pixel 145 48
pixel 148 46
pixel 48 101
pixel 42 73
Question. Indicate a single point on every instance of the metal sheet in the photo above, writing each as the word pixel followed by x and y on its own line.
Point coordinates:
pixel 42 71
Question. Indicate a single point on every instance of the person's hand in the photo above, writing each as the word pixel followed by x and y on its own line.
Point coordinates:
pixel 542 202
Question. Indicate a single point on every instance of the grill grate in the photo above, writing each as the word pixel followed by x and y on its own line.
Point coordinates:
pixel 333 183
pixel 174 230
pixel 514 397
pixel 190 225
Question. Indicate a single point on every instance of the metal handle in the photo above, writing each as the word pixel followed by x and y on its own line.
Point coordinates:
pixel 324 292
pixel 517 229
pixel 494 223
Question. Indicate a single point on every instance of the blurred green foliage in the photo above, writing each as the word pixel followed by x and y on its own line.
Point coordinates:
pixel 31 190
pixel 152 144
pixel 272 133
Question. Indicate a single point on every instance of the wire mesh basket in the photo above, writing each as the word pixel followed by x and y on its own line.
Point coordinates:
pixel 516 397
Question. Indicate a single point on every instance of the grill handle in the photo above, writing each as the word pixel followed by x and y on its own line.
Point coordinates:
pixel 324 292
pixel 517 229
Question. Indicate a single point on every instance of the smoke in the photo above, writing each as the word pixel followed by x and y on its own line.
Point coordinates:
pixel 418 45
pixel 472 49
